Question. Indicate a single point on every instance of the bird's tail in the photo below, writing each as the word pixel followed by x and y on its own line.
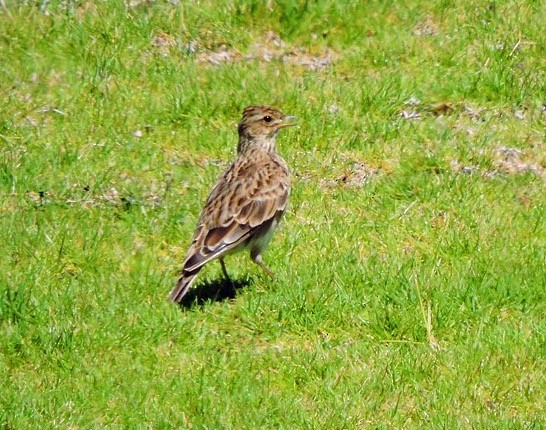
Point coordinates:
pixel 182 286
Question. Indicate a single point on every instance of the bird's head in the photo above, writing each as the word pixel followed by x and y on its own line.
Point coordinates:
pixel 260 124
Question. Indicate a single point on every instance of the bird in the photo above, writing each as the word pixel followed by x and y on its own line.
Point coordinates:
pixel 247 202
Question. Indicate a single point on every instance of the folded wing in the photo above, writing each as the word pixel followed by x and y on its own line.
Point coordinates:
pixel 242 213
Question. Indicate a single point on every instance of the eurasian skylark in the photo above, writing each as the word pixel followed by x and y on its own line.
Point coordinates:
pixel 247 202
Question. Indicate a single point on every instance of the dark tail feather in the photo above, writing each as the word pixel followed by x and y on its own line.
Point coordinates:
pixel 182 286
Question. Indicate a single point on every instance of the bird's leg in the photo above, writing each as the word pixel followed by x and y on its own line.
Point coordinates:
pixel 225 271
pixel 258 260
pixel 267 270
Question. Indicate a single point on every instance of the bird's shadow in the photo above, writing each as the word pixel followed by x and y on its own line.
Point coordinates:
pixel 217 290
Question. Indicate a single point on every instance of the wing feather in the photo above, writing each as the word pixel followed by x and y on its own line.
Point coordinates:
pixel 238 206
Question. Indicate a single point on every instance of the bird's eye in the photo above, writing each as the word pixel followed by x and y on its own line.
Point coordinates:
pixel 267 118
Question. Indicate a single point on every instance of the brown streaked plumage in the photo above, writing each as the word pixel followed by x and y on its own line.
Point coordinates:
pixel 247 202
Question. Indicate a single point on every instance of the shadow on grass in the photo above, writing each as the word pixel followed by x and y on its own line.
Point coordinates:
pixel 214 291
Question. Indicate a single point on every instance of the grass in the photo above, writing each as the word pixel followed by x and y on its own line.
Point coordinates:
pixel 410 267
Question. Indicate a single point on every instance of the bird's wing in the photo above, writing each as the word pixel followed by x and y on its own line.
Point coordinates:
pixel 240 204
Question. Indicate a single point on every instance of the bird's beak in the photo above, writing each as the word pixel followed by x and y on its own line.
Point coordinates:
pixel 288 121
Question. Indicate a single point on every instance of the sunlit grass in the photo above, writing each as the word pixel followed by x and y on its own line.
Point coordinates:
pixel 410 265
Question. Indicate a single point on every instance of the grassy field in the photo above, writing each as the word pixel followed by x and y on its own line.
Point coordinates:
pixel 410 266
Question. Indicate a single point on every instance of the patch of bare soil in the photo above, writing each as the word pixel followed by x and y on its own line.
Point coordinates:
pixel 268 49
pixel 505 160
pixel 356 174
pixel 427 27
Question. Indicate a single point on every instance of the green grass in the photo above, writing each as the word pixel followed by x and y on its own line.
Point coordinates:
pixel 410 266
